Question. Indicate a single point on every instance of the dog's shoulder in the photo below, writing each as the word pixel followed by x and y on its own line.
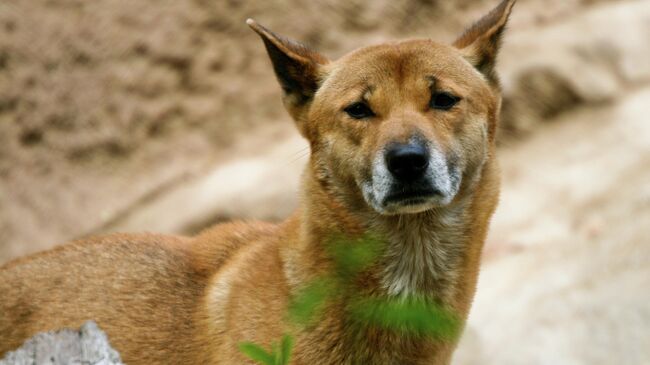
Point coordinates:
pixel 213 247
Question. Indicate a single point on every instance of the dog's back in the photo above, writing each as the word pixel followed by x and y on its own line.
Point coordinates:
pixel 144 290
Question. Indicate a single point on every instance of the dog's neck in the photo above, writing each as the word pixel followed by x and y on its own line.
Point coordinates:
pixel 422 253
pixel 433 255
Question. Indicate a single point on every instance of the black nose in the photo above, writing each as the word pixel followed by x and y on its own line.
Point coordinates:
pixel 407 162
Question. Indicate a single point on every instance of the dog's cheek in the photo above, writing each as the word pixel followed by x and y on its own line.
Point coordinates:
pixel 330 157
pixel 342 147
pixel 472 148
pixel 346 161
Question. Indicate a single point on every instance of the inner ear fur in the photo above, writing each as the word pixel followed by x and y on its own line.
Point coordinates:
pixel 480 43
pixel 296 67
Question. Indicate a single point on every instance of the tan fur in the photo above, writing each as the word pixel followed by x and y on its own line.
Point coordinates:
pixel 175 300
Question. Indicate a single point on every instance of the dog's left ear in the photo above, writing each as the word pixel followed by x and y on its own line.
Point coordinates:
pixel 481 42
pixel 297 68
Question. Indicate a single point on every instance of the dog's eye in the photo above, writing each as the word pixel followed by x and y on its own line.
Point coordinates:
pixel 443 101
pixel 359 111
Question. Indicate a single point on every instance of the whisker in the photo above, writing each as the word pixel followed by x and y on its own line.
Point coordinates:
pixel 298 158
pixel 300 151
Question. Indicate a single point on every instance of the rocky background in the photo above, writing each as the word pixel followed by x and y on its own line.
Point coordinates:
pixel 86 346
pixel 164 115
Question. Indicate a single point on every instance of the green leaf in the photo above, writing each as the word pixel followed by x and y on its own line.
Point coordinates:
pixel 353 256
pixel 256 353
pixel 285 349
pixel 410 316
pixel 275 351
pixel 310 300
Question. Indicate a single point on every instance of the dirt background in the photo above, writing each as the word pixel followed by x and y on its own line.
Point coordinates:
pixel 161 115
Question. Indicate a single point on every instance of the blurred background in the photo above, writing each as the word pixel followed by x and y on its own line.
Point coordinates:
pixel 164 115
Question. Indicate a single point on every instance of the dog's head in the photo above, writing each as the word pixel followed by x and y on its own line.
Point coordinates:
pixel 406 126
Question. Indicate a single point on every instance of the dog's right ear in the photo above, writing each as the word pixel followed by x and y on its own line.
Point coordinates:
pixel 296 67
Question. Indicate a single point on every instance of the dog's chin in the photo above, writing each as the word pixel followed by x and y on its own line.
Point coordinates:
pixel 409 205
pixel 414 205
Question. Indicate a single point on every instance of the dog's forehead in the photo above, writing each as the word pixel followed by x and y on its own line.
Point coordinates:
pixel 414 59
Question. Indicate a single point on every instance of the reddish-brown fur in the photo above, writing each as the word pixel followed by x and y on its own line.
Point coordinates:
pixel 177 300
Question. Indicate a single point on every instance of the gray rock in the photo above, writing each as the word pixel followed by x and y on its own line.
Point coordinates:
pixel 88 346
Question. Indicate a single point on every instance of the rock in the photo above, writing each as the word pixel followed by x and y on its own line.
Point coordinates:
pixel 591 58
pixel 89 346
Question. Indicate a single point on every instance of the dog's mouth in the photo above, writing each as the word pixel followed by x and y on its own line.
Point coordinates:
pixel 411 200
pixel 406 199
pixel 411 196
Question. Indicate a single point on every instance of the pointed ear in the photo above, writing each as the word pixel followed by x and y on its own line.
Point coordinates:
pixel 297 67
pixel 481 42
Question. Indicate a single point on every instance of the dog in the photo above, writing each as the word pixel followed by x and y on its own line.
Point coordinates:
pixel 402 146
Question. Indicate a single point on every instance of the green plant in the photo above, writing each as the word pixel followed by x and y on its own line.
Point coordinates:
pixel 416 316
pixel 410 316
pixel 280 354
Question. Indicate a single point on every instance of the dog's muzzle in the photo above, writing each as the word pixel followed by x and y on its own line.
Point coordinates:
pixel 410 178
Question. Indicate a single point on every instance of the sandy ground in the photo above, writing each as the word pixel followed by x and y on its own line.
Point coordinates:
pixel 566 274
pixel 106 106
pixel 166 118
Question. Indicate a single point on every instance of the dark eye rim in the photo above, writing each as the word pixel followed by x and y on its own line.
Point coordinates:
pixel 362 111
pixel 452 100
